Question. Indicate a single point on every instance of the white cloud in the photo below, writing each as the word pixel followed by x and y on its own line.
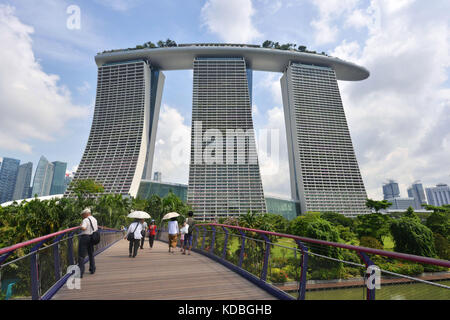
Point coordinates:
pixel 274 168
pixel 400 117
pixel 231 20
pixel 326 29
pixel 173 145
pixel 32 103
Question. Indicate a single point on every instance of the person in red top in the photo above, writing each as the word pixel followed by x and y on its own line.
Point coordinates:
pixel 151 233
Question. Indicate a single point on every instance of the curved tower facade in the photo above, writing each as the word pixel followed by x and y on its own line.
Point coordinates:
pixel 119 151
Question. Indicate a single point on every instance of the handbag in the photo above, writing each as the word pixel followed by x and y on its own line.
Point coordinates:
pixel 95 236
pixel 130 236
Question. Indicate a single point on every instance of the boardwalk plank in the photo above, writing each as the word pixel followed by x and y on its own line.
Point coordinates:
pixel 158 275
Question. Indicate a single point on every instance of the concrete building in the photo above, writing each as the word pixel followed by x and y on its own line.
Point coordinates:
pixel 324 171
pixel 224 177
pixel 417 192
pixel 439 195
pixel 119 152
pixel 8 176
pixel 23 181
pixel 401 203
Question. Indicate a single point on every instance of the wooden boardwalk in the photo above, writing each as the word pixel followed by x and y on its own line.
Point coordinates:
pixel 157 274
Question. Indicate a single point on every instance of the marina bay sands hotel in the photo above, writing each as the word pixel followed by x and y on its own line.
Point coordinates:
pixel 324 173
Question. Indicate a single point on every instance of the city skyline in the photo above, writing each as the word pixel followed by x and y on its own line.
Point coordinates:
pixel 379 110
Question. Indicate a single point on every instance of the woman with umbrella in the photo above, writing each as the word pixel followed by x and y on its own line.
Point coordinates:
pixel 134 233
pixel 173 229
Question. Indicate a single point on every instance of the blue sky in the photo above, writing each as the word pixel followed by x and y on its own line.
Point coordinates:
pixel 399 118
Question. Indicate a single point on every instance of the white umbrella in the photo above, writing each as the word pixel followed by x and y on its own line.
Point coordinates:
pixel 139 215
pixel 171 215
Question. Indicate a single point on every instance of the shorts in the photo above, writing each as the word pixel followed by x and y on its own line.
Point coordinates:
pixel 188 240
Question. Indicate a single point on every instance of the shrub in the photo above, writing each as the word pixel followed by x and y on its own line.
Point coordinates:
pixel 370 242
pixel 278 275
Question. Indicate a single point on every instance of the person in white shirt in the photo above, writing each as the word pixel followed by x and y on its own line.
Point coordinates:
pixel 135 229
pixel 144 230
pixel 85 247
pixel 173 234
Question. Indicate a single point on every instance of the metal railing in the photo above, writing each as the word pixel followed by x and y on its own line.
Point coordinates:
pixel 292 267
pixel 37 268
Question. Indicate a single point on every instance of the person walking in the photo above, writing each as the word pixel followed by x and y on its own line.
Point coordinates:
pixel 85 247
pixel 173 234
pixel 134 236
pixel 144 231
pixel 190 232
pixel 183 231
pixel 151 233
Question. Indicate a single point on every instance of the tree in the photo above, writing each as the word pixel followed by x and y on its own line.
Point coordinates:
pixel 377 205
pixel 410 236
pixel 85 189
pixel 442 246
pixel 411 214
pixel 267 44
pixel 439 222
pixel 299 225
pixel 373 225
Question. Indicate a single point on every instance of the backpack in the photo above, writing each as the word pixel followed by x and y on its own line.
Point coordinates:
pixel 191 224
pixel 95 236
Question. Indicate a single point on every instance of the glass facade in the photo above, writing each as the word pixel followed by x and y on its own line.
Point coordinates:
pixel 23 181
pixel 285 207
pixel 8 176
pixel 148 188
pixel 42 181
pixel 59 175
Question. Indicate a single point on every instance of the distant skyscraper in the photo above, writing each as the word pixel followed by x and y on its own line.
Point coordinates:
pixel 67 180
pixel 23 181
pixel 416 191
pixel 43 178
pixel 438 195
pixel 59 174
pixel 157 176
pixel 8 176
pixel 391 190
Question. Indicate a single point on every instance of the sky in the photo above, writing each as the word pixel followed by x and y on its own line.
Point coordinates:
pixel 399 118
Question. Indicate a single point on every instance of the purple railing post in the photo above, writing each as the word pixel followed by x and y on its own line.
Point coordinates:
pixel 370 292
pixel 70 249
pixel 304 269
pixel 204 237
pixel 241 255
pixel 57 257
pixel 213 240
pixel 34 270
pixel 266 258
pixel 225 243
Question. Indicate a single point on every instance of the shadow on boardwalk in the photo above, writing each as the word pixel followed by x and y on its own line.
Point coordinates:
pixel 158 275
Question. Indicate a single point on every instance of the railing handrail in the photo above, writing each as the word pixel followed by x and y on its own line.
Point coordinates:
pixel 43 238
pixel 397 255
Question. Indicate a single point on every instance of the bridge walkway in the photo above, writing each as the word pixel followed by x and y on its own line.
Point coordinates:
pixel 157 274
